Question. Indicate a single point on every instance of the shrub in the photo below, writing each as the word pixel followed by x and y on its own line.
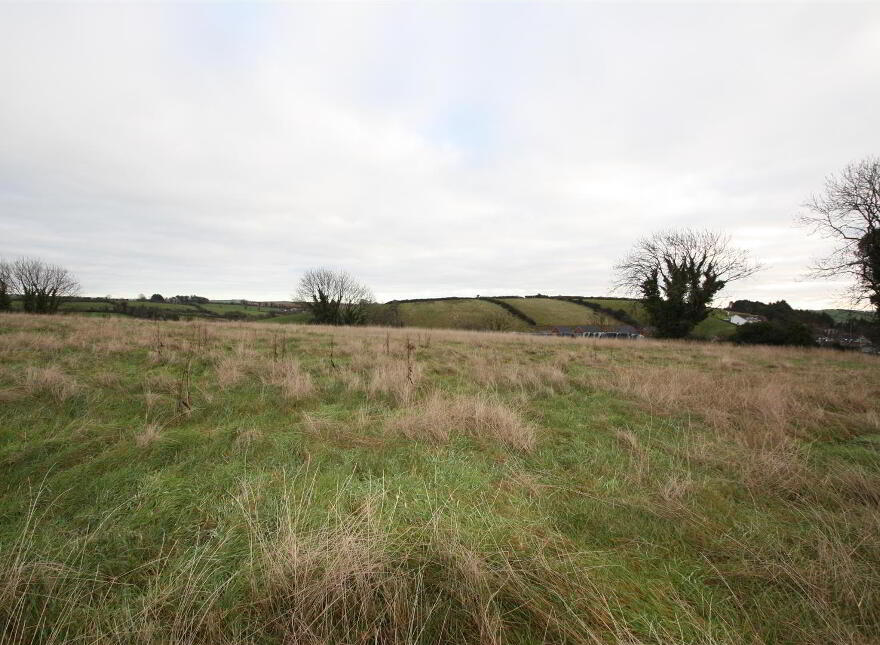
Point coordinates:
pixel 774 333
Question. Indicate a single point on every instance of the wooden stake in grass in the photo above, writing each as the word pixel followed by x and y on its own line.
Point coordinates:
pixel 184 398
pixel 159 344
pixel 409 366
pixel 332 363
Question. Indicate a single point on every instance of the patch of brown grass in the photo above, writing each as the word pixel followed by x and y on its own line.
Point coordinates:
pixel 229 370
pixel 395 378
pixel 438 417
pixel 244 437
pixel 756 406
pixel 50 381
pixel 108 380
pixel 295 383
pixel 494 370
pixel 358 580
pixel 148 435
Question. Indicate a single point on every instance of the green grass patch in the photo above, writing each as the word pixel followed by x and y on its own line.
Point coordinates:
pixel 546 311
pixel 459 314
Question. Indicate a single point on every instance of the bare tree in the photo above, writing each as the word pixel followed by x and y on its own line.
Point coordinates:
pixel 5 287
pixel 678 274
pixel 334 297
pixel 848 212
pixel 41 286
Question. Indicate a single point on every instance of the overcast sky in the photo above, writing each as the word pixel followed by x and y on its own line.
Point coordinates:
pixel 430 149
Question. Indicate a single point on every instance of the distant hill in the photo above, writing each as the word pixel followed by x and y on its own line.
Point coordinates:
pixel 843 315
pixel 503 313
pixel 458 313
pixel 173 310
pixel 537 312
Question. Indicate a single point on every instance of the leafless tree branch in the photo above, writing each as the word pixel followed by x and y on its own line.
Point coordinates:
pixel 848 212
pixel 707 251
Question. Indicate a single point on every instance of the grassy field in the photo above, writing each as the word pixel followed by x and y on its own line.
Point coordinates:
pixel 715 326
pixel 546 311
pixel 85 305
pixel 299 318
pixel 179 309
pixel 843 315
pixel 193 482
pixel 633 307
pixel 458 314
pixel 222 308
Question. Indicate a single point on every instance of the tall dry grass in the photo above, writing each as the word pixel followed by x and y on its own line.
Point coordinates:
pixel 362 578
pixel 757 405
pixel 295 383
pixel 440 416
pixel 51 381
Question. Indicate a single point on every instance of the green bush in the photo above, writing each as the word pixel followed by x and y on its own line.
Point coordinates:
pixel 774 333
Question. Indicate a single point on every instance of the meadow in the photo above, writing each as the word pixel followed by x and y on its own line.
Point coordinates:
pixel 465 313
pixel 546 311
pixel 209 482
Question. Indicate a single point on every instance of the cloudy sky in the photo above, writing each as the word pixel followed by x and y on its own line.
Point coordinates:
pixel 430 149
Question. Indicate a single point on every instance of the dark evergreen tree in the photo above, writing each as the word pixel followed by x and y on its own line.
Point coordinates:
pixel 678 274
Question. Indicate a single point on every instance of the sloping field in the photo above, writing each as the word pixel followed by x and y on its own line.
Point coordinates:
pixel 84 305
pixel 222 308
pixel 218 483
pixel 547 311
pixel 300 317
pixel 465 313
pixel 180 309
pixel 715 326
pixel 632 307
pixel 843 315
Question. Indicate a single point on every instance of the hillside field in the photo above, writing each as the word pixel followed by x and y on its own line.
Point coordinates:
pixel 547 311
pixel 217 483
pixel 182 310
pixel 476 314
pixel 463 313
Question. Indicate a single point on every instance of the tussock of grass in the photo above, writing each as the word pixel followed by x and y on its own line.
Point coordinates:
pixel 439 417
pixel 50 381
pixel 148 434
pixel 395 378
pixel 295 383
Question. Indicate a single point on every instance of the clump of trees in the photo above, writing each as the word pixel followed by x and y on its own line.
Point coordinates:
pixel 5 299
pixel 384 315
pixel 781 311
pixel 774 332
pixel 848 212
pixel 679 273
pixel 190 300
pixel 41 286
pixel 335 297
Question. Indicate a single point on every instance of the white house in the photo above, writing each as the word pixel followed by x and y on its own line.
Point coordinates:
pixel 742 319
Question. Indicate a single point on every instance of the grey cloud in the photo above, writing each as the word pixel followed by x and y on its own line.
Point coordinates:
pixel 430 149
